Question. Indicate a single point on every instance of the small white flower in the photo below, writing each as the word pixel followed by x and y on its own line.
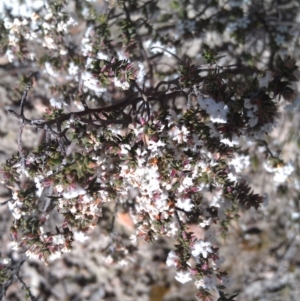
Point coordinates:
pixel 179 134
pixel 279 39
pixel 185 204
pixel 6 261
pixel 102 56
pixel 172 259
pixel 73 69
pixel 10 55
pixel 15 209
pixel 92 82
pixel 187 182
pixel 183 277
pixel 32 255
pixel 124 85
pixel 63 51
pixel 80 236
pixel 58 239
pixel 141 75
pixel 201 247
pixel 59 188
pixel 205 223
pixel 38 185
pixel 154 146
pixel 125 148
pixel 48 16
pixel 249 105
pixel 7 23
pixel 55 255
pixel 133 239
pixel 74 193
pixel 14 246
pixel 49 69
pixel 217 110
pixel 56 103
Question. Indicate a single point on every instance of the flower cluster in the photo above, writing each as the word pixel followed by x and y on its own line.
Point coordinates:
pixel 165 144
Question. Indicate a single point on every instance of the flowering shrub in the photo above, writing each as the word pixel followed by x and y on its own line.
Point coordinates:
pixel 134 121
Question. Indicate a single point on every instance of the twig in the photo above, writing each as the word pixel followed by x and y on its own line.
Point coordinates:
pixel 31 296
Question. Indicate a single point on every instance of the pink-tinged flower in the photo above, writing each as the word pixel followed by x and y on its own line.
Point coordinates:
pixel 183 276
pixel 172 259
pixel 74 192
pixel 201 247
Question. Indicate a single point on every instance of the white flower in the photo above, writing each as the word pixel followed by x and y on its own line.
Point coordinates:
pixel 73 69
pixel 249 105
pixel 14 246
pixel 141 75
pixel 205 223
pixel 229 143
pixel 10 55
pixel 201 247
pixel 124 85
pixel 38 185
pixel 187 182
pixel 239 163
pixel 59 188
pixel 172 259
pixel 123 263
pixel 281 173
pixel 179 134
pixel 49 43
pixel 133 239
pixel 80 236
pixel 183 277
pixel 153 146
pixel 74 193
pixel 55 255
pixel 7 23
pixel 58 239
pixel 50 70
pixel 63 51
pixel 125 148
pixel 92 82
pixel 62 26
pixel 185 204
pixel 217 110
pixel 253 119
pixel 57 103
pixel 102 56
pixel 32 255
pixel 15 209
pixel 6 261
pixel 279 39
